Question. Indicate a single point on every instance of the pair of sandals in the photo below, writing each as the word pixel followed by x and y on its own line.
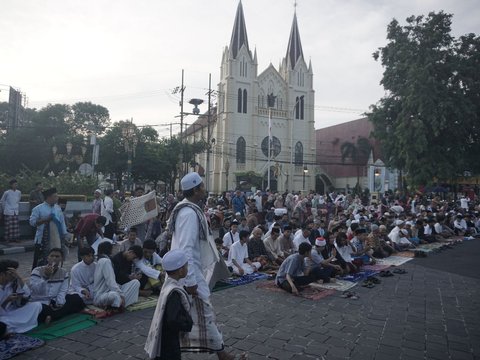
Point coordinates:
pixel 386 273
pixel 371 282
pixel 350 295
pixel 420 254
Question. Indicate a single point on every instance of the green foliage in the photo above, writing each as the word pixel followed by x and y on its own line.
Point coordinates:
pixel 64 182
pixel 358 153
pixel 428 123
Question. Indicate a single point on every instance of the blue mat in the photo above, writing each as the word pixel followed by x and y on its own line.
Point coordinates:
pixel 245 279
pixel 360 276
pixel 17 344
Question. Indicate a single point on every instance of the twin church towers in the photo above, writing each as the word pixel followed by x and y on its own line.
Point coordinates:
pixel 241 129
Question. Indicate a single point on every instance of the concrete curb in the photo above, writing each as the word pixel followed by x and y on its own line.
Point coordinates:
pixel 17 249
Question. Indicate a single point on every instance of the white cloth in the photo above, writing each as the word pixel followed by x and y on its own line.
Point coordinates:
pixel 81 278
pixel 98 241
pixel 147 266
pixel 18 319
pixel 106 290
pixel 258 202
pixel 395 235
pixel 10 201
pixel 229 239
pixel 153 344
pixel 186 237
pixel 238 252
pixel 139 210
pixel 298 239
pixel 273 247
pixel 107 209
pixel 345 252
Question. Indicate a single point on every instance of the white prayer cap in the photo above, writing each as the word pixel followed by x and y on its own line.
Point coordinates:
pixel 174 260
pixel 374 227
pixel 98 191
pixel 320 241
pixel 191 180
pixel 386 214
pixel 404 231
pixel 398 222
pixel 409 223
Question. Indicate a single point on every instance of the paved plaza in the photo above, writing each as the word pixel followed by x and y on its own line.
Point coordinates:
pixel 432 312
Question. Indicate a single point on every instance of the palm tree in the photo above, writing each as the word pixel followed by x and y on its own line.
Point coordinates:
pixel 358 153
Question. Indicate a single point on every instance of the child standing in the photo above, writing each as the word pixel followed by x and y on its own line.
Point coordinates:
pixel 172 316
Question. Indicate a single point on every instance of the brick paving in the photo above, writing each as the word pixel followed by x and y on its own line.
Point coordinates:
pixel 428 313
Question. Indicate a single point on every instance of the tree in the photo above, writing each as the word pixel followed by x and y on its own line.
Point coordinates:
pixel 428 121
pixel 88 117
pixel 358 153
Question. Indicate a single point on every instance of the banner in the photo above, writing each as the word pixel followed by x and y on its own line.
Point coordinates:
pixel 138 210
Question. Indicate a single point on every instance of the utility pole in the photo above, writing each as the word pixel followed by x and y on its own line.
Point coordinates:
pixel 182 152
pixel 207 173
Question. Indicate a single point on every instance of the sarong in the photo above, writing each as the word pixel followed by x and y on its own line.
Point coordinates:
pixel 205 336
pixel 12 228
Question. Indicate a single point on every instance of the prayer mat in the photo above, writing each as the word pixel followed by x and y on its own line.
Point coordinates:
pixel 62 327
pixel 17 344
pixel 96 312
pixel 143 303
pixel 376 267
pixel 393 260
pixel 245 279
pixel 359 276
pixel 432 247
pixel 339 285
pixel 222 285
pixel 307 292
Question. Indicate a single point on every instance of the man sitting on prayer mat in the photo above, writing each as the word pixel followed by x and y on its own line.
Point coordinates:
pixel 107 293
pixel 150 266
pixel 82 274
pixel 49 285
pixel 292 273
pixel 131 240
pixel 238 257
pixel 124 266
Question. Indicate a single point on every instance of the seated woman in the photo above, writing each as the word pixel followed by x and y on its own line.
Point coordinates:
pixel 16 313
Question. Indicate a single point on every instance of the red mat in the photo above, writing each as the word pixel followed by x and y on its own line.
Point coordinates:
pixel 306 292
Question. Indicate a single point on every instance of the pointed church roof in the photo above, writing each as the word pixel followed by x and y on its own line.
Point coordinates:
pixel 239 33
pixel 294 50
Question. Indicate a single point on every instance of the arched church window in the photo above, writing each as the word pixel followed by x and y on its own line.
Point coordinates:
pixel 275 146
pixel 297 108
pixel 302 107
pixel 239 101
pixel 241 150
pixel 245 98
pixel 298 153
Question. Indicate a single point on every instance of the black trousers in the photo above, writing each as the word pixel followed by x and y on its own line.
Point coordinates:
pixel 109 230
pixel 73 304
pixel 315 274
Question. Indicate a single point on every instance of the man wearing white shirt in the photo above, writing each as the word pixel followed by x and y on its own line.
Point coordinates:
pixel 150 267
pixel 82 275
pixel 464 202
pixel 230 237
pixel 258 201
pixel 301 237
pixel 9 203
pixel 107 211
pixel 238 257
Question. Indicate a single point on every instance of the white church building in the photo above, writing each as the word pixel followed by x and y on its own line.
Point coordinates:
pixel 240 128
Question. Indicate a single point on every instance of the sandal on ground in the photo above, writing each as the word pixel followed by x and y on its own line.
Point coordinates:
pixel 399 271
pixel 374 280
pixel 385 273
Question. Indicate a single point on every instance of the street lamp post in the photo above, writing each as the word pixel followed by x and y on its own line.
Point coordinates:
pixel 130 143
pixel 305 172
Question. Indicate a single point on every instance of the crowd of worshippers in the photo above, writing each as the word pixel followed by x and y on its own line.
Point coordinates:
pixel 327 244
pixel 107 281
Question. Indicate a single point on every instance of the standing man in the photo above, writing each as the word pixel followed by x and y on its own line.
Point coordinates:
pixel 36 196
pixel 192 235
pixel 238 203
pixel 141 228
pixel 9 203
pixel 51 229
pixel 97 202
pixel 107 213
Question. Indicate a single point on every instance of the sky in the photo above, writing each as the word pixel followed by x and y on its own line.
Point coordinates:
pixel 128 55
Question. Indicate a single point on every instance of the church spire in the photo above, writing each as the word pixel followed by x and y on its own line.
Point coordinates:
pixel 239 33
pixel 294 50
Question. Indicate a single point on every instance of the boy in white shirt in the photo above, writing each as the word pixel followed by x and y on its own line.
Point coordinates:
pixel 238 257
